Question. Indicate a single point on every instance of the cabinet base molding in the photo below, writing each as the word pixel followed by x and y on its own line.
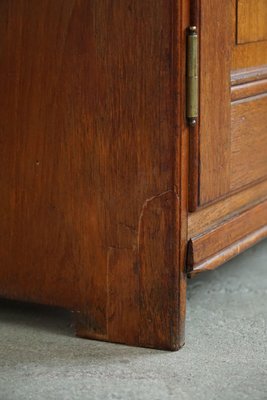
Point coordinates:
pixel 218 245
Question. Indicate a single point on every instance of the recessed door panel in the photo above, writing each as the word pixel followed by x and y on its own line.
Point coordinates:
pixel 233 97
pixel 248 141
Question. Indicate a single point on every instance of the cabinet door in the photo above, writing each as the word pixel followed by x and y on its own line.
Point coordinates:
pixel 232 132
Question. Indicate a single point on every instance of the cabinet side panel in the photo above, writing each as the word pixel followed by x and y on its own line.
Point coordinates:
pixel 88 140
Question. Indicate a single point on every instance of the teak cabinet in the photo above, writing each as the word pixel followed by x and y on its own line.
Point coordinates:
pixel 110 195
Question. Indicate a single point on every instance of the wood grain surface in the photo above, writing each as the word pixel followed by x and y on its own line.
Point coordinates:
pixel 96 155
pixel 225 240
pixel 249 89
pixel 226 254
pixel 251 21
pixel 248 141
pixel 247 75
pixel 92 202
pixel 215 129
pixel 249 44
pixel 229 134
pixel 208 217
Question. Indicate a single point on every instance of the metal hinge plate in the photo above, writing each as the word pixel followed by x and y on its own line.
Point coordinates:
pixel 192 76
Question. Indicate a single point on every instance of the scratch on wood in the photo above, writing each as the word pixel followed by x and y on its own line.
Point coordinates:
pixel 149 200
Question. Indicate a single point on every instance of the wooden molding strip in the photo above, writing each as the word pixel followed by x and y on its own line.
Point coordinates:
pixel 214 247
pixel 213 215
pixel 230 252
pixel 249 89
pixel 246 75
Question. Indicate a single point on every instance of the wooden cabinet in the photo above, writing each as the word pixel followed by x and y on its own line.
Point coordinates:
pixel 109 198
pixel 230 141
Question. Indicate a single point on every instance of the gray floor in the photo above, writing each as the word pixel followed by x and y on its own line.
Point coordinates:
pixel 225 356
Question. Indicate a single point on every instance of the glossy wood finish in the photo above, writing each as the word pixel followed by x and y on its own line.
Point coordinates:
pixel 94 163
pixel 230 178
pixel 96 158
pixel 224 255
pixel 219 244
pixel 209 217
pixel 227 129
pixel 214 124
pixel 248 90
pixel 248 75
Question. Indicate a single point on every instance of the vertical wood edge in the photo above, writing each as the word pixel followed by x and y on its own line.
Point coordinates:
pixel 215 122
pixel 147 282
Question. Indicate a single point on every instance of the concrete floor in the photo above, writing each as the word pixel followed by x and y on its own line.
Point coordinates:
pixel 225 357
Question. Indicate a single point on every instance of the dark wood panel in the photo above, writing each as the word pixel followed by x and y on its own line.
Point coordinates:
pixel 90 155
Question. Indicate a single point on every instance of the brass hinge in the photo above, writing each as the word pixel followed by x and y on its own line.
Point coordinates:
pixel 192 76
